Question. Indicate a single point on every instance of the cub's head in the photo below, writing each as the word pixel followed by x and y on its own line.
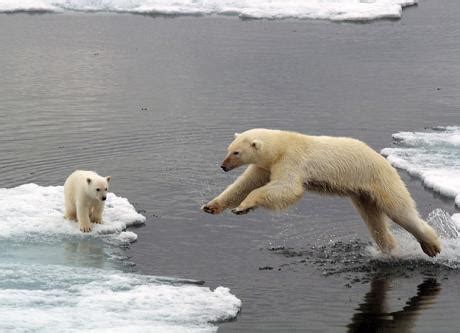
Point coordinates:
pixel 247 148
pixel 98 187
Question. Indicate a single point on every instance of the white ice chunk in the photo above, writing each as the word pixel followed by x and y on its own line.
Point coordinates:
pixel 352 10
pixel 55 298
pixel 30 210
pixel 432 156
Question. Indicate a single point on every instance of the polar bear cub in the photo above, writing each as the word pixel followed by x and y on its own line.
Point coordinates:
pixel 283 165
pixel 84 195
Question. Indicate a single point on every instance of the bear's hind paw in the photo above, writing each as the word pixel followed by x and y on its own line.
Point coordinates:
pixel 70 217
pixel 430 249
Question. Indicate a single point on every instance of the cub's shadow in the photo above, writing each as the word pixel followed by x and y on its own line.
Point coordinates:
pixel 373 315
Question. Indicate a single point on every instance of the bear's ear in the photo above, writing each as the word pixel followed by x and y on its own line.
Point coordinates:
pixel 257 144
pixel 236 135
pixel 88 180
pixel 109 178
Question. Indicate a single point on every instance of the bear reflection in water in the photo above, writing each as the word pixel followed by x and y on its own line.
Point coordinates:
pixel 373 315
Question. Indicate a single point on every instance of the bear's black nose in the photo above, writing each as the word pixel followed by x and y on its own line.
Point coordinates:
pixel 224 168
pixel 103 198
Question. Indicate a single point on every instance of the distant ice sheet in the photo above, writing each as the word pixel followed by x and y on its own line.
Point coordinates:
pixel 433 156
pixel 340 10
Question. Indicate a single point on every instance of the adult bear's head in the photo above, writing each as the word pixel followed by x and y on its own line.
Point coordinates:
pixel 256 146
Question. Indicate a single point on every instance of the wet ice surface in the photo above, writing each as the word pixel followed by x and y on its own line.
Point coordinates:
pixel 360 261
pixel 433 156
pixel 55 278
pixel 32 211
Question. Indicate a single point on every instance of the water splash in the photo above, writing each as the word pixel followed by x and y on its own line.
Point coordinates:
pixel 359 260
pixel 443 224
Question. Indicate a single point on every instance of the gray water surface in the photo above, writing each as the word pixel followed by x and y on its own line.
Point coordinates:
pixel 154 103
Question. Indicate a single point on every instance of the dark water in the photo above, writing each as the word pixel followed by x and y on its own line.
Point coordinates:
pixel 154 102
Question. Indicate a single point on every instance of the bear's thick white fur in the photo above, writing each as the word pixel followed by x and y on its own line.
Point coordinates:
pixel 282 165
pixel 84 196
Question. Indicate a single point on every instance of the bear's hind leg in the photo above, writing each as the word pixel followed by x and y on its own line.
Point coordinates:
pixel 409 219
pixel 70 212
pixel 375 221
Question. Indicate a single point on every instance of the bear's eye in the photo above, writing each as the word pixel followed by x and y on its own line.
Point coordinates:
pixel 98 189
pixel 236 153
pixel 106 188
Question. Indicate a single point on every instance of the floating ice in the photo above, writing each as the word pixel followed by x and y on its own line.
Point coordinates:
pixel 55 298
pixel 340 10
pixel 53 278
pixel 30 210
pixel 432 156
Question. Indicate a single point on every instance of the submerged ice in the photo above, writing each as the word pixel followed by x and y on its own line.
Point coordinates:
pixel 433 156
pixel 57 298
pixel 54 278
pixel 359 10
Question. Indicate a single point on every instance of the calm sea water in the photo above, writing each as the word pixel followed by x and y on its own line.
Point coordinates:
pixel 154 103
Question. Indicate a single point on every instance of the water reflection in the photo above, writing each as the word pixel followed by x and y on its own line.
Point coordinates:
pixel 69 252
pixel 373 314
pixel 87 252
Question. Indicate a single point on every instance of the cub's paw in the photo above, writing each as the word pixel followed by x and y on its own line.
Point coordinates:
pixel 85 227
pixel 70 217
pixel 212 208
pixel 241 211
pixel 97 221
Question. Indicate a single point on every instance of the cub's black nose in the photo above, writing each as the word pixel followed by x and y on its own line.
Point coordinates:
pixel 224 168
pixel 104 198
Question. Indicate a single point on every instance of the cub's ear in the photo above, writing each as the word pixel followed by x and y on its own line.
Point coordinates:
pixel 109 178
pixel 257 144
pixel 88 180
pixel 236 135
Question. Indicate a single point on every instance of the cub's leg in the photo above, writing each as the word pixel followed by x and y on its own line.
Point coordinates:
pixel 96 213
pixel 70 211
pixel 83 218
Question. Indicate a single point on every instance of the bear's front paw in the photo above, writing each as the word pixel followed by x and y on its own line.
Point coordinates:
pixel 85 227
pixel 212 208
pixel 241 211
